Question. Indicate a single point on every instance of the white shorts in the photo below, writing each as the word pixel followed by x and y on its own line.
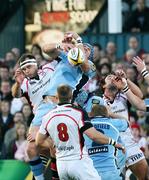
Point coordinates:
pixel 77 170
pixel 133 155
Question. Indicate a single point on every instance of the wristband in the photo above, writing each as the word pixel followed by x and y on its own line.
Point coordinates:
pixel 125 89
pixel 144 73
pixel 58 46
pixel 112 142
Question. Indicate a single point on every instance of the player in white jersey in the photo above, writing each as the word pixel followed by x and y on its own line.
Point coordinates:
pixel 65 126
pixel 117 101
pixel 31 82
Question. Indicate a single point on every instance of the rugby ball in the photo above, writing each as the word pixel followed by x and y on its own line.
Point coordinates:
pixel 76 56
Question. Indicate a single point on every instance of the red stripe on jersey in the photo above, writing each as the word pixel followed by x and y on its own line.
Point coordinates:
pixel 79 111
pixel 27 85
pixel 48 68
pixel 81 147
pixel 60 115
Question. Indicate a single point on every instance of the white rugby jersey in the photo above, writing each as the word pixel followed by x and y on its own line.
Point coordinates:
pixel 35 88
pixel 120 107
pixel 65 125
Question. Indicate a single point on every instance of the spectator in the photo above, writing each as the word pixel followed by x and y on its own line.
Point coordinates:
pixel 134 44
pixel 131 74
pixel 16 51
pixel 11 133
pixel 104 70
pixel 10 59
pixel 141 117
pixel 138 138
pixel 97 50
pixel 138 20
pixel 6 119
pixel 5 91
pixel 111 51
pixel 17 148
pixel 4 73
pixel 129 55
pixel 27 113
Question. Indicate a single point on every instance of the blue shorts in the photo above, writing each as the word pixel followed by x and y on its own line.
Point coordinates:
pixel 42 110
pixel 121 160
pixel 110 175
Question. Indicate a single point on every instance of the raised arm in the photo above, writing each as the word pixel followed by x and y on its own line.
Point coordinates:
pixel 16 88
pixel 100 138
pixel 134 88
pixel 132 98
pixel 141 67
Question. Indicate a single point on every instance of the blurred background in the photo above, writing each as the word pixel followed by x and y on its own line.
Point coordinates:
pixel 118 30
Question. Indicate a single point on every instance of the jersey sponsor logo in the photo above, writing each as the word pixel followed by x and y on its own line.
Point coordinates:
pixel 136 157
pixel 65 148
pixel 118 111
pixel 98 127
pixel 41 86
pixel 100 149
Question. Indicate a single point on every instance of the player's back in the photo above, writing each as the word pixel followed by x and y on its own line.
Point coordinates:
pixel 103 156
pixel 63 124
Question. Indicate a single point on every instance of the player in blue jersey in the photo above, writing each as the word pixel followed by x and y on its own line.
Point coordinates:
pixel 103 156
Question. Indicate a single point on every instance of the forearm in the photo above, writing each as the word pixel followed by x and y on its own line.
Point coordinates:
pixel 135 100
pixel 16 90
pixel 51 50
pixel 96 136
pixel 135 89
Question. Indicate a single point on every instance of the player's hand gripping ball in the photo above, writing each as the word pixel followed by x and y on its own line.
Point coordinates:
pixel 75 56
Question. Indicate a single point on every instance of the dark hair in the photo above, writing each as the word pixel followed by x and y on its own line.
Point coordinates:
pixel 98 46
pixel 25 56
pixel 64 93
pixel 4 66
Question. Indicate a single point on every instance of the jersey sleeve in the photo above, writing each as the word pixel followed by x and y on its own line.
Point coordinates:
pixel 123 98
pixel 24 86
pixel 63 56
pixel 50 66
pixel 42 129
pixel 120 124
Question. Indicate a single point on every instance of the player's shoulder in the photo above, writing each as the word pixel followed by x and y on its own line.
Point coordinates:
pixel 121 96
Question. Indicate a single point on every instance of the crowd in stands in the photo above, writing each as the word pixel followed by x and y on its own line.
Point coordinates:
pixel 135 15
pixel 16 113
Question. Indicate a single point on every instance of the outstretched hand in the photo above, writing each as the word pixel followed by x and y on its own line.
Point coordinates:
pixel 139 63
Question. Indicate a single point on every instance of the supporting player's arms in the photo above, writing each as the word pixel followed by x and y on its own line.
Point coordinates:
pixel 100 138
pixel 43 141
